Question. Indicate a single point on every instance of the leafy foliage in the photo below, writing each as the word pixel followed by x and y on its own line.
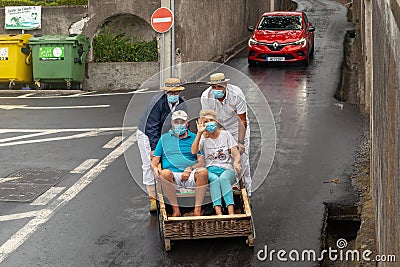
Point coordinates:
pixel 42 2
pixel 108 47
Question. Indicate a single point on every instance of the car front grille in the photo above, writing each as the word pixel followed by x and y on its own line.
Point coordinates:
pixel 276 47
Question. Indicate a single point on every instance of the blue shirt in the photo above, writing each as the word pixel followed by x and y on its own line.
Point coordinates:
pixel 175 152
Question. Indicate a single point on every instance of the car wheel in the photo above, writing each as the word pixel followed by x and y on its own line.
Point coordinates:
pixel 252 62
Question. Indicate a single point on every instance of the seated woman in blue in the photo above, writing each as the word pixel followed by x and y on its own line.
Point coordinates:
pixel 222 158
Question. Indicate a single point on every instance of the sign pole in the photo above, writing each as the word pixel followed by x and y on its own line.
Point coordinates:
pixel 162 21
pixel 172 40
pixel 162 59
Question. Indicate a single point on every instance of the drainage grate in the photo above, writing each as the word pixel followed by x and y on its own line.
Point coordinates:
pixel 26 185
pixel 341 223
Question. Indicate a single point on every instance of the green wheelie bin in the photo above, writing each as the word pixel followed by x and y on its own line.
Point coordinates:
pixel 59 59
pixel 15 59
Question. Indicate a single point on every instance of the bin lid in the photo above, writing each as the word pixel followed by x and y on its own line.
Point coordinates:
pixel 58 38
pixel 15 38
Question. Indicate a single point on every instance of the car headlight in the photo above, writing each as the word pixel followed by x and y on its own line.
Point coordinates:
pixel 302 42
pixel 253 42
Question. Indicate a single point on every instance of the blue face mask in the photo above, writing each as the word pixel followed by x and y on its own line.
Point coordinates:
pixel 211 126
pixel 218 93
pixel 180 129
pixel 173 98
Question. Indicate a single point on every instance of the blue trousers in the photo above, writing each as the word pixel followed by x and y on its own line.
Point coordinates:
pixel 221 181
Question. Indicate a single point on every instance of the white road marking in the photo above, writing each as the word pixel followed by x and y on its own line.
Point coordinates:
pixel 113 142
pixel 146 92
pixel 86 94
pixel 26 136
pixel 68 130
pixel 8 179
pixel 25 95
pixel 90 132
pixel 86 165
pixel 47 196
pixel 10 107
pixel 59 138
pixel 18 216
pixel 44 215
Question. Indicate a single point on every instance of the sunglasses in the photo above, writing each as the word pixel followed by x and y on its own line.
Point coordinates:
pixel 173 92
pixel 217 86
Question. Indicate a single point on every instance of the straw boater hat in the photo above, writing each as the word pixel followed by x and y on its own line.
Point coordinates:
pixel 173 84
pixel 217 78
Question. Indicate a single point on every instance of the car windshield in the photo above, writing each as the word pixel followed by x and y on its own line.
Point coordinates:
pixel 280 23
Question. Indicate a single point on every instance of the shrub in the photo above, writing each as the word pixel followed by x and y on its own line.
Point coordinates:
pixel 108 47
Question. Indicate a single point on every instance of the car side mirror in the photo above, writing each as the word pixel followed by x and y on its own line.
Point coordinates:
pixel 250 28
pixel 311 29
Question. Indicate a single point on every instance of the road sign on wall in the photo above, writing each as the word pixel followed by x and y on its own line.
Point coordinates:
pixel 162 19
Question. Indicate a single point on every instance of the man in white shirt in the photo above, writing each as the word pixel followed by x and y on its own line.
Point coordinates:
pixel 230 104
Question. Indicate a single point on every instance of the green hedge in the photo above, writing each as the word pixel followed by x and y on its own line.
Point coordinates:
pixel 42 2
pixel 108 47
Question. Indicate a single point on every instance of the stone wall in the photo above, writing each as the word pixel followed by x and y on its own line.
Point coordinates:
pixel 380 32
pixel 385 116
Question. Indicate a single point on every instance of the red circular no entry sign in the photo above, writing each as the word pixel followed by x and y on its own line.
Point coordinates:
pixel 162 19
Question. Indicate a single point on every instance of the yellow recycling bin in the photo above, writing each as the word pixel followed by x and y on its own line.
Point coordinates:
pixel 15 59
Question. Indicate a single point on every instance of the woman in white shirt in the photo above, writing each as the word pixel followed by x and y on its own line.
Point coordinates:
pixel 222 158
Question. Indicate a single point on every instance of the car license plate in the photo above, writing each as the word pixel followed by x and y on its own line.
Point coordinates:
pixel 275 58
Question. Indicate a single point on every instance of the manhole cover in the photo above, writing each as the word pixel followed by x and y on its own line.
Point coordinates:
pixel 26 185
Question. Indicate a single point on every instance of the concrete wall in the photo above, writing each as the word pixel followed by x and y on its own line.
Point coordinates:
pixel 380 32
pixel 122 76
pixel 207 30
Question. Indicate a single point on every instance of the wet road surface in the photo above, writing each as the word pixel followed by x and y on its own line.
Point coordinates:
pixel 106 223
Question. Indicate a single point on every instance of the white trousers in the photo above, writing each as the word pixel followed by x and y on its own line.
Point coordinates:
pixel 144 148
pixel 245 162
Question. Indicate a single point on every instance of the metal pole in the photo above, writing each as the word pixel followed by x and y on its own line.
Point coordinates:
pixel 162 54
pixel 173 39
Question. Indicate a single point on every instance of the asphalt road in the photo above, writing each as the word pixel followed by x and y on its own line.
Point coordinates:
pixel 94 214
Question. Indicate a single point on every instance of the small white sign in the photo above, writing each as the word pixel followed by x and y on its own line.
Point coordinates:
pixel 4 53
pixel 23 17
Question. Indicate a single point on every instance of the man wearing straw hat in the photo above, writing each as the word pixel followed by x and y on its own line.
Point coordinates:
pixel 230 104
pixel 151 126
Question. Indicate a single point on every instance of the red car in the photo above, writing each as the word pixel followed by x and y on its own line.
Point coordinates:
pixel 286 36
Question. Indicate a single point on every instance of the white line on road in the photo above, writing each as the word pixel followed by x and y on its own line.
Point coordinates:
pixel 59 138
pixel 26 136
pixel 68 130
pixel 10 107
pixel 25 95
pixel 86 165
pixel 44 215
pixel 67 107
pixel 18 216
pixel 47 196
pixel 8 179
pixel 113 142
pixel 95 132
